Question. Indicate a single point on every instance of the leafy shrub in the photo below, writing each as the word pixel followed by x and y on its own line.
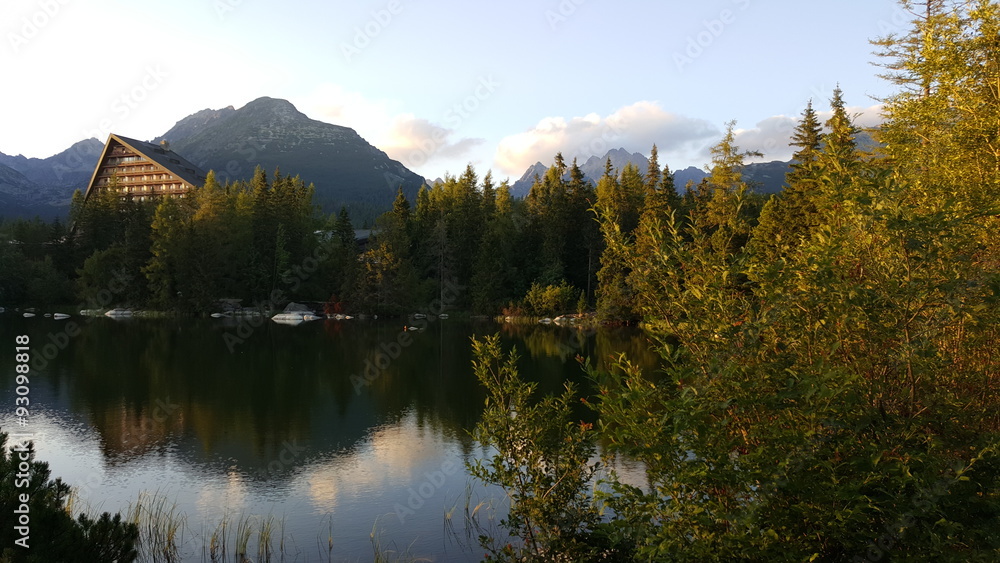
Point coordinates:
pixel 550 299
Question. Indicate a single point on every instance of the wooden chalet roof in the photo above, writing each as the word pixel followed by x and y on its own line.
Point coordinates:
pixel 163 157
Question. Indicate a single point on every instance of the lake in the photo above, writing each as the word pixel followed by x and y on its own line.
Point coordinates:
pixel 338 438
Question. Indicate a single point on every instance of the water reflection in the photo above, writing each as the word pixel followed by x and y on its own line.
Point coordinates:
pixel 285 421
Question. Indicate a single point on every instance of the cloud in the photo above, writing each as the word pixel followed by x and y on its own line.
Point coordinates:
pixel 416 141
pixel 772 135
pixel 635 127
pixel 412 140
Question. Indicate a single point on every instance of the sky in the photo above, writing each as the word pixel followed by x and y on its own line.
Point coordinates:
pixel 439 84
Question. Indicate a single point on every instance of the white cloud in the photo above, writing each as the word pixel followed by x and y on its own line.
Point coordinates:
pixel 416 141
pixel 772 135
pixel 412 140
pixel 635 127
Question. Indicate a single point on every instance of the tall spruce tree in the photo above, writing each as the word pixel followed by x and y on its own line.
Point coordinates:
pixel 615 299
pixel 839 155
pixel 791 215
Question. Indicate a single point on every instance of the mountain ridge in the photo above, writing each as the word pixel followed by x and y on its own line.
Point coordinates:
pixel 269 132
pixel 44 186
pixel 764 177
pixel 274 134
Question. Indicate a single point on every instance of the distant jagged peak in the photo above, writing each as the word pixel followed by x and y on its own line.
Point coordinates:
pixel 536 169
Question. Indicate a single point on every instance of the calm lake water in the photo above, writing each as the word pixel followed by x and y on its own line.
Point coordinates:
pixel 282 425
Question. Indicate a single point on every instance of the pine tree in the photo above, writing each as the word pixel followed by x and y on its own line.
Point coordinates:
pixel 791 215
pixel 401 207
pixel 168 268
pixel 54 534
pixel 582 233
pixel 653 173
pixel 723 207
pixel 343 229
pixel 660 194
pixel 549 207
pixel 807 137
pixel 941 126
pixel 489 197
pixel 839 156
pixel 615 298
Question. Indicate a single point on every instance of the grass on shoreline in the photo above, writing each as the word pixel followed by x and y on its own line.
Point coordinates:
pixel 165 534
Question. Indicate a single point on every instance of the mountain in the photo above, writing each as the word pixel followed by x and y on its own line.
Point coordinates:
pixel 521 187
pixel 691 174
pixel 194 123
pixel 765 177
pixel 592 169
pixel 345 168
pixel 18 194
pixel 61 173
pixel 272 133
pixel 44 186
pixel 15 184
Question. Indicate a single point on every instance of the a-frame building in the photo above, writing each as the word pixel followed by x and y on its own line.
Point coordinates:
pixel 143 171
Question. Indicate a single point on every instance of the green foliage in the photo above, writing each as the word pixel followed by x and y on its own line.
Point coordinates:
pixel 615 295
pixel 342 270
pixel 34 263
pixel 813 409
pixel 619 202
pixel 101 271
pixel 581 304
pixel 791 215
pixel 240 241
pixel 54 534
pixel 541 456
pixel 386 281
pixel 560 226
pixel 550 300
pixel 827 394
pixel 500 265
pixel 942 123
